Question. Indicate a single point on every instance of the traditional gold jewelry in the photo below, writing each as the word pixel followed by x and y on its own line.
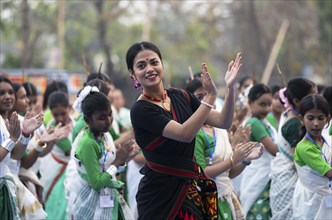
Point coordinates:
pixel 163 101
pixel 108 148
pixel 232 162
pixel 40 148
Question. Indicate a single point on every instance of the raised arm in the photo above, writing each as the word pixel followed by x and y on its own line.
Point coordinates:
pixel 187 131
pixel 223 119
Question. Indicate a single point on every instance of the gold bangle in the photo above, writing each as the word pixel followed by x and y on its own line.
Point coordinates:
pixel 39 148
pixel 232 162
pixel 207 104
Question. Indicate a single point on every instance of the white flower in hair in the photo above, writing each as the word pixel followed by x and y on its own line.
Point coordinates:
pixel 83 94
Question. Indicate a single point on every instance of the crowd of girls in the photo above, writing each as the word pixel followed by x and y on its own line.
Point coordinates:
pixel 260 153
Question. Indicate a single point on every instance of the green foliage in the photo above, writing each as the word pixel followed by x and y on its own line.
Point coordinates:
pixel 187 33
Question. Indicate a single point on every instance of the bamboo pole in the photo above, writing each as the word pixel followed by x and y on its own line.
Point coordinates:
pixel 191 73
pixel 281 75
pixel 274 53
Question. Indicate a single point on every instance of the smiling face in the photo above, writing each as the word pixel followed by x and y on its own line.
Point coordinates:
pixel 7 97
pixel 314 121
pixel 147 69
pixel 261 106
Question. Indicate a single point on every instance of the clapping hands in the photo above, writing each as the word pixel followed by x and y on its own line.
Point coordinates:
pixel 13 126
pixel 31 122
pixel 126 152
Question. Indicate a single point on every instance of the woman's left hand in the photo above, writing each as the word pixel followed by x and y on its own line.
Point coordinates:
pixel 255 153
pixel 232 71
pixel 31 122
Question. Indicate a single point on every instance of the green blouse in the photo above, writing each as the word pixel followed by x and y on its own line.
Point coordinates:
pixel 291 131
pixel 258 129
pixel 202 151
pixel 307 153
pixel 270 118
pixel 89 151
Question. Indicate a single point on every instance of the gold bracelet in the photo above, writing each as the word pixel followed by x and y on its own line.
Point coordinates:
pixel 232 162
pixel 207 104
pixel 39 148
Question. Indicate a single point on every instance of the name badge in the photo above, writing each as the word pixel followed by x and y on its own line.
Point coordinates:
pixel 106 201
pixel 106 198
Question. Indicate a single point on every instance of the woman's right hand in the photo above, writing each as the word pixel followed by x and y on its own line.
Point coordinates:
pixel 232 71
pixel 13 126
pixel 125 152
pixel 242 151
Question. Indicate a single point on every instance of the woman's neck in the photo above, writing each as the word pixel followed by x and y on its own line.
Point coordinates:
pixel 276 115
pixel 97 134
pixel 156 92
pixel 318 140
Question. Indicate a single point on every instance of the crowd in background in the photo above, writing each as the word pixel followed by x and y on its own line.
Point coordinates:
pixel 63 160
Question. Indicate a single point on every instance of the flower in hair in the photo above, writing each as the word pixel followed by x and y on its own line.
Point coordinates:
pixel 283 98
pixel 83 94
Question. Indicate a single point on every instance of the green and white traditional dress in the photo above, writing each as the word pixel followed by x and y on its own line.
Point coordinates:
pixel 17 202
pixel 208 151
pixel 255 182
pixel 283 173
pixel 98 196
pixel 313 194
pixel 53 172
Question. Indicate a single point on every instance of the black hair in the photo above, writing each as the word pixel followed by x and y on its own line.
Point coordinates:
pixel 257 91
pixel 5 79
pixel 245 78
pixel 58 98
pixel 320 88
pixel 100 84
pixel 30 89
pixel 53 86
pixel 193 85
pixel 93 76
pixel 313 101
pixel 327 93
pixel 275 89
pixel 95 101
pixel 16 87
pixel 298 88
pixel 138 47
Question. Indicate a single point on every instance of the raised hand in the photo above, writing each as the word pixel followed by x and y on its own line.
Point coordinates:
pixel 126 151
pixel 232 71
pixel 54 134
pixel 61 132
pixel 242 151
pixel 241 135
pixel 255 153
pixel 31 122
pixel 13 126
pixel 207 82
